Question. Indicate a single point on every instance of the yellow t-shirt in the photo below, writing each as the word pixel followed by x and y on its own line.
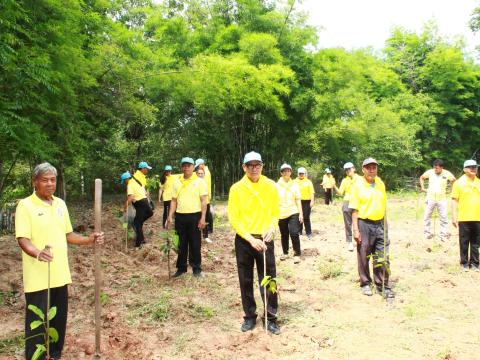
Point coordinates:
pixel 437 184
pixel 370 200
pixel 467 192
pixel 187 192
pixel 306 188
pixel 328 181
pixel 253 207
pixel 140 177
pixel 167 188
pixel 44 224
pixel 288 194
pixel 134 188
pixel 346 186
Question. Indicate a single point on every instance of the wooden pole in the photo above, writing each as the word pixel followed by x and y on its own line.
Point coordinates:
pixel 265 288
pixel 98 268
pixel 47 335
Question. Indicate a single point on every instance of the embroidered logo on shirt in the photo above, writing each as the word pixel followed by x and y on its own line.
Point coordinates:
pixel 60 212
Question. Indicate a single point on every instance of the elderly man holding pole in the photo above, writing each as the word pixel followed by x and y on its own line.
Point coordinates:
pixel 43 230
pixel 253 212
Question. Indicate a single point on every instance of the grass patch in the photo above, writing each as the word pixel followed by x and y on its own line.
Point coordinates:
pixel 330 268
pixel 453 269
pixel 419 308
pixel 157 311
pixel 7 297
pixel 200 312
pixel 12 344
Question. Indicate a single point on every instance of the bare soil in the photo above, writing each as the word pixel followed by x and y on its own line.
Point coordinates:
pixel 322 313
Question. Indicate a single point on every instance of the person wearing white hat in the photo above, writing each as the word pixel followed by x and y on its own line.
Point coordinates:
pixel 369 204
pixel 307 194
pixel 466 214
pixel 346 190
pixel 291 215
pixel 165 192
pixel 253 213
pixel 328 184
pixel 207 176
pixel 438 178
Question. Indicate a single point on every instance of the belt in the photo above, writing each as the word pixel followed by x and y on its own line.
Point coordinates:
pixel 372 221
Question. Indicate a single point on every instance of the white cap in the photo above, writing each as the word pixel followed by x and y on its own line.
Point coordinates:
pixel 348 165
pixel 199 162
pixel 285 166
pixel 302 170
pixel 469 163
pixel 328 171
pixel 252 156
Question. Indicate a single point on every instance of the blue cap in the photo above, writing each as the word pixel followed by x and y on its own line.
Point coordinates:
pixel 144 165
pixel 168 168
pixel 126 175
pixel 252 156
pixel 199 162
pixel 187 160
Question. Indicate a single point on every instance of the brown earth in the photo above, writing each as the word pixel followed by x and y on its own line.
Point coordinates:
pixel 323 315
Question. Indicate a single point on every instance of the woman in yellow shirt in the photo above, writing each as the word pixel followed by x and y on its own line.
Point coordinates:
pixel 165 192
pixel 328 184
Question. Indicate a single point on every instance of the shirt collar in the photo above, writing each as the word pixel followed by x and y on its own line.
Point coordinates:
pixel 40 202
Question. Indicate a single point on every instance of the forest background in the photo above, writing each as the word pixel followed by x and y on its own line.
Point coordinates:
pixel 95 86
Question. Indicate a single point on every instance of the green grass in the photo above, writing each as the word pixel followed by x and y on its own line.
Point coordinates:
pixel 11 344
pixel 330 268
pixel 200 312
pixel 157 311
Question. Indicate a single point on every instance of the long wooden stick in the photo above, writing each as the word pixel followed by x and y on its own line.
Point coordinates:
pixel 98 268
pixel 126 230
pixel 47 336
pixel 265 288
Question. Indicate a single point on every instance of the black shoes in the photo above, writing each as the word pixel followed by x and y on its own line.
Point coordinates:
pixel 198 274
pixel 248 324
pixel 178 273
pixel 273 328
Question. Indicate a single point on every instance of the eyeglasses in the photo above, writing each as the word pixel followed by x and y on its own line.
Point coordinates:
pixel 254 166
pixel 473 167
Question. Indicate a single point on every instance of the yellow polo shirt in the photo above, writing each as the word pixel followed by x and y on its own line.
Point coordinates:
pixel 187 192
pixel 134 188
pixel 167 188
pixel 253 207
pixel 140 177
pixel 437 184
pixel 306 188
pixel 467 192
pixel 370 200
pixel 346 186
pixel 328 181
pixel 288 194
pixel 44 224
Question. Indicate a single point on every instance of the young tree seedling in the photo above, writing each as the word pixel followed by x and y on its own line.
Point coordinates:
pixel 50 334
pixel 171 243
pixel 269 284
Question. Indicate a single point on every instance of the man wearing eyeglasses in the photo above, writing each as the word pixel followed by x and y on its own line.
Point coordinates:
pixel 466 214
pixel 253 212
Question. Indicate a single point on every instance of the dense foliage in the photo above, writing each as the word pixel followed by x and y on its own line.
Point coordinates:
pixel 94 86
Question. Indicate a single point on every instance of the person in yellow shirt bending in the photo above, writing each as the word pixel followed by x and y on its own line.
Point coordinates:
pixel 307 194
pixel 466 214
pixel 43 231
pixel 346 190
pixel 291 215
pixel 165 192
pixel 328 183
pixel 369 202
pixel 253 212
pixel 189 205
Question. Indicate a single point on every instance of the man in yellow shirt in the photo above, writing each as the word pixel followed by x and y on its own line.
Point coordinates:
pixel 328 183
pixel 165 192
pixel 253 212
pixel 291 215
pixel 189 205
pixel 207 176
pixel 466 214
pixel 43 230
pixel 138 196
pixel 437 178
pixel 346 190
pixel 369 202
pixel 307 194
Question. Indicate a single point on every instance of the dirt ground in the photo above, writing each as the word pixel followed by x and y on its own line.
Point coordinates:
pixel 322 313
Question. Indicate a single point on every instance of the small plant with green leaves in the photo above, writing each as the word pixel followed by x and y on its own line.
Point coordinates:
pixel 270 285
pixel 50 335
pixel 172 242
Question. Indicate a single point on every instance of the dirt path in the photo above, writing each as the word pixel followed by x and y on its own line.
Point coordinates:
pixel 322 312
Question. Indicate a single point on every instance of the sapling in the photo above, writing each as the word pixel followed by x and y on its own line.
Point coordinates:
pixel 49 335
pixel 171 243
pixel 269 283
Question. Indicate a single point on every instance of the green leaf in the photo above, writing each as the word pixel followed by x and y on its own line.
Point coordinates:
pixel 53 334
pixel 265 281
pixel 35 324
pixel 40 350
pixel 52 312
pixel 125 225
pixel 36 311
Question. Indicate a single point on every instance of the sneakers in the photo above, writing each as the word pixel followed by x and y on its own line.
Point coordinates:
pixel 350 246
pixel 296 259
pixel 366 290
pixel 309 236
pixel 207 240
pixel 387 292
pixel 283 257
pixel 248 324
pixel 475 268
pixel 465 268
pixel 272 327
pixel 428 236
pixel 198 274
pixel 178 273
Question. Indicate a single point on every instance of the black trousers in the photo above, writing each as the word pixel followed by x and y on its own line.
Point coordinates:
pixel 290 227
pixel 143 212
pixel 469 234
pixel 372 245
pixel 306 209
pixel 328 196
pixel 208 229
pixel 190 238
pixel 247 256
pixel 166 210
pixel 58 298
